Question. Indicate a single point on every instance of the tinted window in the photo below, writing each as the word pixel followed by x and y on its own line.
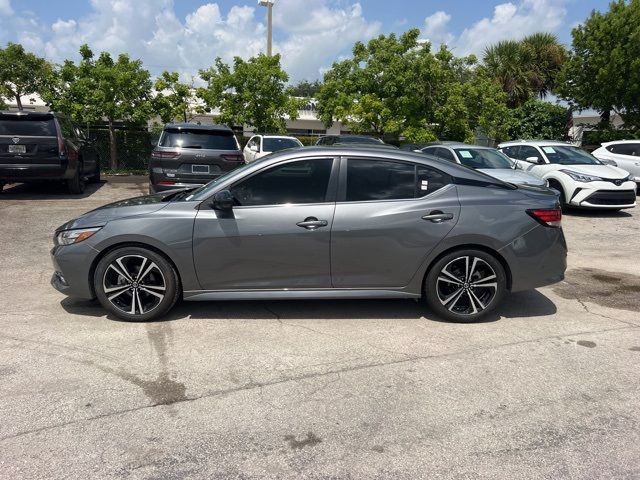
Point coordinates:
pixel 360 140
pixel 204 139
pixel 27 126
pixel 430 151
pixel 511 151
pixel 482 158
pixel 567 155
pixel 277 144
pixel 429 180
pixel 379 180
pixel 304 181
pixel 445 154
pixel 527 152
pixel 632 149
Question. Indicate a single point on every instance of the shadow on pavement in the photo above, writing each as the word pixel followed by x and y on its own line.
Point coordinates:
pixel 45 191
pixel 531 303
pixel 577 212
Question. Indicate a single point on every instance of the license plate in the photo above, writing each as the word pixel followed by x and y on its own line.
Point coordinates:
pixel 17 149
pixel 200 169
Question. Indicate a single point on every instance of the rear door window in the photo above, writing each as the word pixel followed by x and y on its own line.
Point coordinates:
pixel 632 149
pixel 28 126
pixel 199 139
pixel 445 154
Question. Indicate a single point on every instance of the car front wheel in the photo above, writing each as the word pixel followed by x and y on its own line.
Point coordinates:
pixel 465 285
pixel 136 284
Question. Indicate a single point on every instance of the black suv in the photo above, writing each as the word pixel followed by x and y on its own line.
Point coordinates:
pixel 45 146
pixel 190 155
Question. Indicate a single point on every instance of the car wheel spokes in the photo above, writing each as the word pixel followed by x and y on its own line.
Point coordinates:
pixel 134 284
pixel 466 285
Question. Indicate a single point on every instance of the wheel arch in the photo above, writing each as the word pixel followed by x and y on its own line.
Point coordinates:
pixel 468 246
pixel 115 246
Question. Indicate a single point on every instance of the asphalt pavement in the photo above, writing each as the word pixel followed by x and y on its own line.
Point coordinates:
pixel 548 387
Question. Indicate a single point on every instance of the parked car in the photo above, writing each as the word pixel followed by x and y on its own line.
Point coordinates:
pixel 260 145
pixel 343 139
pixel 318 223
pixel 621 153
pixel 484 159
pixel 582 180
pixel 416 147
pixel 46 146
pixel 191 155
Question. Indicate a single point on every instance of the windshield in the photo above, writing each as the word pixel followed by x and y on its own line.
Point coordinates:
pixel 567 155
pixel 201 139
pixel 277 144
pixel 483 158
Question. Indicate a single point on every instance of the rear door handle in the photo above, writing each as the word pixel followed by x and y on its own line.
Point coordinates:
pixel 437 216
pixel 311 223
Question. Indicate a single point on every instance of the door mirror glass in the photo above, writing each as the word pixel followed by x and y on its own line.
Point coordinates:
pixel 223 201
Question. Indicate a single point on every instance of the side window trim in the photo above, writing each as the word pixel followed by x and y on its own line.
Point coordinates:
pixel 330 196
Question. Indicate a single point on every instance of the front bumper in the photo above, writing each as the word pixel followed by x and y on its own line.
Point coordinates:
pixel 72 265
pixel 605 195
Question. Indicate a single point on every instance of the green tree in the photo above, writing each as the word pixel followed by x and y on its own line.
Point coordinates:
pixel 173 99
pixel 253 92
pixel 528 68
pixel 100 88
pixel 22 73
pixel 603 71
pixel 539 119
pixel 306 89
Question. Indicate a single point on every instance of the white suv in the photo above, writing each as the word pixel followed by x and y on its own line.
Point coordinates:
pixel 621 153
pixel 581 179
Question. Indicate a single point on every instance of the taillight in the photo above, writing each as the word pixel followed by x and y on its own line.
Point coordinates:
pixel 232 158
pixel 167 182
pixel 164 154
pixel 549 217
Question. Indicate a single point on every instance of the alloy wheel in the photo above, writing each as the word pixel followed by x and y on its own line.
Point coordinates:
pixel 466 285
pixel 134 284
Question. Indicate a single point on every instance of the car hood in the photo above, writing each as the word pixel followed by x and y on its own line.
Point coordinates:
pixel 513 176
pixel 604 171
pixel 123 208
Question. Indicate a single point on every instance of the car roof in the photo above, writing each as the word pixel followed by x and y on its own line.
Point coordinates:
pixel 197 126
pixel 22 113
pixel 536 143
pixel 460 145
pixel 614 142
pixel 273 136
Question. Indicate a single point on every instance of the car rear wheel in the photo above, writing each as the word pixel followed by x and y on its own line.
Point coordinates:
pixel 75 185
pixel 136 284
pixel 465 285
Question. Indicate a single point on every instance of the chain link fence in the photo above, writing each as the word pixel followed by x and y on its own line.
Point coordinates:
pixel 134 148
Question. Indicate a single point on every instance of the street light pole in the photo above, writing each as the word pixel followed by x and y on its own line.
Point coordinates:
pixel 269 5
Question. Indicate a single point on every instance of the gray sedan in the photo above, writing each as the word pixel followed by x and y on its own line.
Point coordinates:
pixel 322 222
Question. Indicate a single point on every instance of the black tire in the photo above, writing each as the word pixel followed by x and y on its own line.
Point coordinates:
pixel 563 198
pixel 160 279
pixel 2 184
pixel 76 184
pixel 474 299
pixel 95 178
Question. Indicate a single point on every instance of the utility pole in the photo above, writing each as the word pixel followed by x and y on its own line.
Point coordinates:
pixel 269 5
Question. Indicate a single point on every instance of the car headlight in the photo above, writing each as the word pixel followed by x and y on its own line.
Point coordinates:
pixel 581 177
pixel 68 237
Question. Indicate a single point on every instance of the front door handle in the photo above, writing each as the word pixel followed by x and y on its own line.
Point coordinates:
pixel 437 216
pixel 311 223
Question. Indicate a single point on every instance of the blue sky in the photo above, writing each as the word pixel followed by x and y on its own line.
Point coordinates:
pixel 186 35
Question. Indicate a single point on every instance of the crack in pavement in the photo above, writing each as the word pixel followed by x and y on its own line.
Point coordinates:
pixel 586 309
pixel 253 385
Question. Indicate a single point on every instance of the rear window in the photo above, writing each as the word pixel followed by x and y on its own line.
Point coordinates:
pixel 277 144
pixel 199 139
pixel 25 126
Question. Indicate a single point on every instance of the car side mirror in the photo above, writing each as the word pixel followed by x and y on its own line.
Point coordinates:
pixel 533 160
pixel 223 201
pixel 253 148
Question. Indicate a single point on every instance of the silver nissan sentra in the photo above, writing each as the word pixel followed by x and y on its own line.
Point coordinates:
pixel 323 223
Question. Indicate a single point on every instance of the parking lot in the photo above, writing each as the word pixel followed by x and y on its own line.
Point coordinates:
pixel 547 387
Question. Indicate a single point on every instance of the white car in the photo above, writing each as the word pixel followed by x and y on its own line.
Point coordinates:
pixel 581 179
pixel 621 153
pixel 484 159
pixel 260 145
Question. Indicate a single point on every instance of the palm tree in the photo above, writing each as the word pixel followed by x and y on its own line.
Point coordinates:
pixel 545 57
pixel 504 61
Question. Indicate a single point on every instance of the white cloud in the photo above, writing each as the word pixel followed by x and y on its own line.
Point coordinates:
pixel 435 28
pixel 509 21
pixel 310 34
pixel 5 8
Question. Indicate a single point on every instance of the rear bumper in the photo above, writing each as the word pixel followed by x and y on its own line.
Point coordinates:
pixel 537 258
pixel 55 169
